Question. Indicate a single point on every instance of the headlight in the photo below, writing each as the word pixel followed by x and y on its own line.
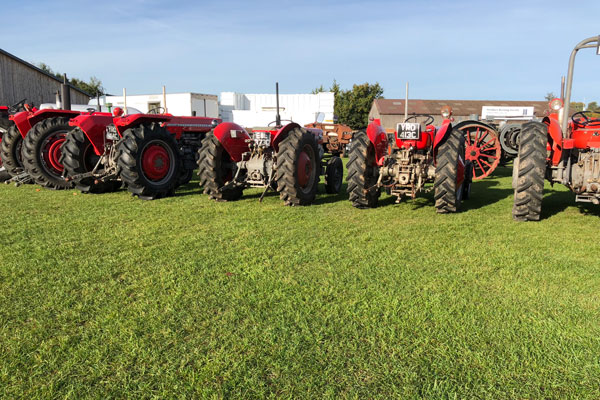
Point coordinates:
pixel 446 112
pixel 556 104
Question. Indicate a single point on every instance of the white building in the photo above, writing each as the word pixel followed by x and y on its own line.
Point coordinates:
pixel 180 104
pixel 253 110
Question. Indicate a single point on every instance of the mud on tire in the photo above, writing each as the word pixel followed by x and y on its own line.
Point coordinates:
pixel 78 157
pixel 41 152
pixel 215 169
pixel 297 160
pixel 362 172
pixel 448 195
pixel 529 172
pixel 149 161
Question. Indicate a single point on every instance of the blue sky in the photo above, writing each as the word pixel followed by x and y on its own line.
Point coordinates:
pixel 512 50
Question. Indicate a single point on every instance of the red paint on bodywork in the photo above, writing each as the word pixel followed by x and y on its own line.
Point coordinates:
pixel 556 138
pixel 378 137
pixel 233 138
pixel 440 134
pixel 93 126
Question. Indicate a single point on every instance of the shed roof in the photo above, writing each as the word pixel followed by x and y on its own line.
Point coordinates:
pixel 41 71
pixel 459 107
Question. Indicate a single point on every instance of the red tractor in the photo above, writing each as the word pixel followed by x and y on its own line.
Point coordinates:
pixel 562 148
pixel 288 159
pixel 30 149
pixel 151 153
pixel 422 154
pixel 4 126
pixel 335 137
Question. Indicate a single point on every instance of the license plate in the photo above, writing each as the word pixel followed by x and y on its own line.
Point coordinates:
pixel 409 131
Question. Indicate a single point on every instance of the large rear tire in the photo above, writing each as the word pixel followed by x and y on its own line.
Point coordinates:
pixel 215 169
pixel 362 172
pixel 149 161
pixel 78 157
pixel 448 195
pixel 530 165
pixel 41 152
pixel 4 127
pixel 297 173
pixel 10 151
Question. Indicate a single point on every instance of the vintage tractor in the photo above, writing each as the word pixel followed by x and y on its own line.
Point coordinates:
pixel 422 154
pixel 563 148
pixel 336 137
pixel 151 153
pixel 30 149
pixel 288 159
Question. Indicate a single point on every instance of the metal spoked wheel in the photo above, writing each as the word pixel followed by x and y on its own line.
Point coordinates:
pixel 482 147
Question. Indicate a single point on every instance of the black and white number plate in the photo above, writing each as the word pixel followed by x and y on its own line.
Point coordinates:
pixel 409 131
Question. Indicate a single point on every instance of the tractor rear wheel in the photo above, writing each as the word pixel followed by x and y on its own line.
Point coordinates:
pixel 334 174
pixel 78 157
pixel 10 151
pixel 448 194
pixel 149 161
pixel 4 127
pixel 297 173
pixel 41 152
pixel 529 172
pixel 362 172
pixel 185 177
pixel 216 169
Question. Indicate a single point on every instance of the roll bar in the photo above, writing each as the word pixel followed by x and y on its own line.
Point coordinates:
pixel 593 42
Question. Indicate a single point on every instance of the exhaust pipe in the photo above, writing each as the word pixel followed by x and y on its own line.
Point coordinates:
pixel 65 94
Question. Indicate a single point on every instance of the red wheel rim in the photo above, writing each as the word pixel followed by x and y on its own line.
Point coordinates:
pixel 482 148
pixel 156 162
pixel 51 152
pixel 304 168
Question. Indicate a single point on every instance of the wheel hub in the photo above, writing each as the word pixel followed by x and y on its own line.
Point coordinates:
pixel 156 162
pixel 304 169
pixel 51 153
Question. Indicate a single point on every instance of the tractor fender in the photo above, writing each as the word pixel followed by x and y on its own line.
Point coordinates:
pixel 46 113
pixel 282 134
pixel 378 137
pixel 234 139
pixel 94 127
pixel 21 121
pixel 440 135
pixel 556 136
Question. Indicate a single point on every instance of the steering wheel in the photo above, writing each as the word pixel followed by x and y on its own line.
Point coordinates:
pixel 585 120
pixel 274 122
pixel 428 121
pixel 15 108
pixel 157 110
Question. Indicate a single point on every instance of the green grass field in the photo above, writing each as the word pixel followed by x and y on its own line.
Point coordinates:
pixel 108 296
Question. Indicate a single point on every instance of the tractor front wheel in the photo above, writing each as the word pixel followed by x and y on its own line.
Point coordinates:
pixel 149 161
pixel 334 174
pixel 78 157
pixel 216 169
pixel 41 152
pixel 448 194
pixel 528 172
pixel 298 168
pixel 362 172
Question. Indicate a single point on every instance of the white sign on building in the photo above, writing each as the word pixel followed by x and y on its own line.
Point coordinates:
pixel 491 112
pixel 257 110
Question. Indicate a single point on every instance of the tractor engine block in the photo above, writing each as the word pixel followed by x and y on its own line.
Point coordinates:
pixel 406 171
pixel 585 176
pixel 258 166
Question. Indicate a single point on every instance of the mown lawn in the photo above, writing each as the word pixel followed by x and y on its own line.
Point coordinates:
pixel 112 297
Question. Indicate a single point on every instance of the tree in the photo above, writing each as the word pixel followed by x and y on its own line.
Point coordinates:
pixel 593 106
pixel 352 107
pixel 576 106
pixel 320 89
pixel 550 96
pixel 93 87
